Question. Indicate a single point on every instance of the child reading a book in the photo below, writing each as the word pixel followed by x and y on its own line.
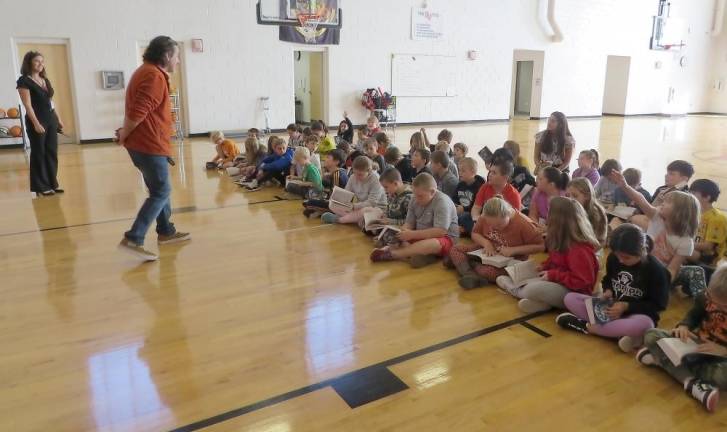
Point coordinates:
pixel 446 181
pixel 398 198
pixel 275 166
pixel 420 162
pixel 711 242
pixel 673 226
pixel 402 164
pixel 635 291
pixel 311 143
pixel 226 150
pixel 383 141
pixel 430 229
pixel 581 190
pixel 295 135
pixel 334 175
pixel 588 166
pixel 326 144
pixel 368 192
pixel 677 178
pixel 254 155
pixel 571 265
pixel 470 183
pixel 308 185
pixel 551 183
pixel 702 376
pixel 500 230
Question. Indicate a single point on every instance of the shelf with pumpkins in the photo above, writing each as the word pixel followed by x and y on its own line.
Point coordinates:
pixel 12 129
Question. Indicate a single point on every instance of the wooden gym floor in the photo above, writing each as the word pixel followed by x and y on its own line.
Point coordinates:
pixel 267 321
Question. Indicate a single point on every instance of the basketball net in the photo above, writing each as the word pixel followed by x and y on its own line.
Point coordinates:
pixel 309 26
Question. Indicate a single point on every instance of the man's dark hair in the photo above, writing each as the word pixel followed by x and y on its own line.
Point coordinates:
pixel 158 47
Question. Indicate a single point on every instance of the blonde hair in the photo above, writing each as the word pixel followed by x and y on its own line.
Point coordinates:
pixel 718 283
pixel 497 208
pixel 373 119
pixel 217 135
pixel 424 181
pixel 416 141
pixel 567 224
pixel 362 163
pixel 469 163
pixel 684 218
pixel 370 144
pixel 461 147
pixel 442 146
pixel 514 148
pixel 595 211
pixel 301 153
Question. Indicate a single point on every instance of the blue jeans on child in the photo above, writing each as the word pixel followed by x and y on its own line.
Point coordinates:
pixel 466 222
pixel 155 171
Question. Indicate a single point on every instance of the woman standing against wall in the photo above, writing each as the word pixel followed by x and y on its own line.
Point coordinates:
pixel 554 146
pixel 36 93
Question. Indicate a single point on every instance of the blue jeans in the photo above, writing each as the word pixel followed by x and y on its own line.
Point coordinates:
pixel 466 222
pixel 155 171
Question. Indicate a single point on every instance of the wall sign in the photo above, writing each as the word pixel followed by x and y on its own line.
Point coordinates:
pixel 426 24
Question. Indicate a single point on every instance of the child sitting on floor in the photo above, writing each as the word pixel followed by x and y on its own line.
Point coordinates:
pixel 633 179
pixel 711 241
pixel 673 226
pixel 273 167
pixel 420 162
pixel 345 130
pixel 460 152
pixel 372 126
pixel 402 164
pixel 308 185
pixel 311 143
pixel 446 181
pixel 571 266
pixel 636 282
pixel 581 190
pixel 226 150
pixel 398 196
pixel 326 144
pixel 702 376
pixel 444 147
pixel 551 183
pixel 334 175
pixel 383 141
pixel 371 149
pixel 497 184
pixel 416 142
pixel 500 230
pixel 364 183
pixel 295 135
pixel 588 166
pixel 430 229
pixel 605 188
pixel 677 178
pixel 254 155
pixel 470 183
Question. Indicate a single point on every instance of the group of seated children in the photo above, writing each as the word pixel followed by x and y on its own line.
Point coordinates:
pixel 417 208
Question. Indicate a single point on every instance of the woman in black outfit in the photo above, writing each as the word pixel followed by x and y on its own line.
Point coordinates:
pixel 42 122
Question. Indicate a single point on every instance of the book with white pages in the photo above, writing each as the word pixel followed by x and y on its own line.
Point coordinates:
pixel 295 182
pixel 527 190
pixel 622 212
pixel 373 219
pixel 498 261
pixel 341 200
pixel 676 350
pixel 523 272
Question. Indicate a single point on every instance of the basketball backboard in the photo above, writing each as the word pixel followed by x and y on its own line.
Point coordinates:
pixel 288 12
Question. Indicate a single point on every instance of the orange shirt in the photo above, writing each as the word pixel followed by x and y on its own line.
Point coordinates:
pixel 147 101
pixel 230 150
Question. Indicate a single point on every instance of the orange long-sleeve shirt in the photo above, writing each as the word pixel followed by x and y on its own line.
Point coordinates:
pixel 147 101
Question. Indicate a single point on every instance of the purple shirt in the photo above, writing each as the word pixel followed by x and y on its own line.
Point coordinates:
pixel 592 175
pixel 542 202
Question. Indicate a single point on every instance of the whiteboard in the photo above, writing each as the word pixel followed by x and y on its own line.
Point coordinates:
pixel 423 75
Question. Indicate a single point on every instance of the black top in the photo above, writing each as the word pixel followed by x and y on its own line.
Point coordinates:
pixel 405 169
pixel 466 193
pixel 348 135
pixel 40 98
pixel 645 286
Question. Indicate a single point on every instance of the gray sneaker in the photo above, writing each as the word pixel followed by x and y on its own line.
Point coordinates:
pixel 138 251
pixel 174 238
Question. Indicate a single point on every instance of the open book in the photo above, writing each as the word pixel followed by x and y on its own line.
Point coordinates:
pixel 387 236
pixel 486 155
pixel 596 308
pixel 527 189
pixel 622 212
pixel 498 261
pixel 341 200
pixel 523 272
pixel 676 350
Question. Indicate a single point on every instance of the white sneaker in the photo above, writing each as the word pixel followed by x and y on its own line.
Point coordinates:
pixel 531 306
pixel 645 357
pixel 506 283
pixel 138 251
pixel 628 344
pixel 706 394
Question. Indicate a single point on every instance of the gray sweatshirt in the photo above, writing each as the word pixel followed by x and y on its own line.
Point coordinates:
pixel 369 193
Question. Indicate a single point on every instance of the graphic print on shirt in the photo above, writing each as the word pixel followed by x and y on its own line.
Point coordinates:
pixel 714 326
pixel 623 286
pixel 496 238
pixel 466 198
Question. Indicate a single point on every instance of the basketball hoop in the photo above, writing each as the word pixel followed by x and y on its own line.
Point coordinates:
pixel 309 26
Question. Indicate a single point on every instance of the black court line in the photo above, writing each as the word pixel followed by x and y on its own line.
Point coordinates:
pixel 360 373
pixel 537 330
pixel 190 209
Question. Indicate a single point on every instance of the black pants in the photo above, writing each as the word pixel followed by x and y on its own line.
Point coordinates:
pixel 277 175
pixel 43 156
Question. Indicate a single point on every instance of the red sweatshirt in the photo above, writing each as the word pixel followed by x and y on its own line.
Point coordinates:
pixel 575 269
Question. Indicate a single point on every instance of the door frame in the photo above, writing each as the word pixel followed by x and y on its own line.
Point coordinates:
pixel 71 75
pixel 517 81
pixel 325 71
pixel 536 92
pixel 183 67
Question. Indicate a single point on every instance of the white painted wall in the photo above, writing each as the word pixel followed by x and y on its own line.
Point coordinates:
pixel 617 81
pixel 717 93
pixel 244 61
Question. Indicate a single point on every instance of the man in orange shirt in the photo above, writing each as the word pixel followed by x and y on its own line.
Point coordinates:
pixel 145 134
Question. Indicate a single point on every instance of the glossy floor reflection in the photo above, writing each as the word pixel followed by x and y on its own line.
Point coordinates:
pixel 263 301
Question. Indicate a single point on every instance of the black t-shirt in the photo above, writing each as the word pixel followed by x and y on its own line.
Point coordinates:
pixel 466 193
pixel 405 169
pixel 645 286
pixel 40 98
